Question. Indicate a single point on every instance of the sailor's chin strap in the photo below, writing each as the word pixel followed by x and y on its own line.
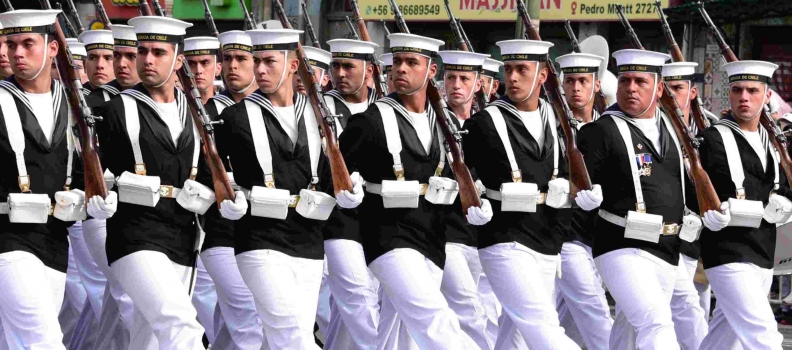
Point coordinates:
pixel 363 79
pixel 283 74
pixel 426 79
pixel 533 85
pixel 762 106
pixel 489 88
pixel 173 64
pixel 43 61
pixel 591 97
pixel 244 89
pixel 654 94
pixel 472 89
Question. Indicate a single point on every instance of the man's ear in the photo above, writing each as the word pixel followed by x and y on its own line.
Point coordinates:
pixel 597 86
pixel 693 91
pixel 325 80
pixel 660 86
pixel 543 72
pixel 294 64
pixel 432 69
pixel 218 69
pixel 479 84
pixel 369 71
pixel 52 48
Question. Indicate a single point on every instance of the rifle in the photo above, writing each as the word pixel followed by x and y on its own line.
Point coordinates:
pixel 352 29
pixel 69 26
pixel 384 26
pixel 696 106
pixel 144 9
pixel 158 10
pixel 380 81
pixel 705 193
pixel 102 14
pixel 578 174
pixel 249 23
pixel 76 15
pixel 600 102
pixel 8 5
pixel 463 45
pixel 778 139
pixel 464 35
pixel 210 20
pixel 86 121
pixel 468 194
pixel 309 27
pixel 325 119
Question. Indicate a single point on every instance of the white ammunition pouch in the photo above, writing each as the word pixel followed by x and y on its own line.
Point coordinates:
pixel 558 194
pixel 315 205
pixel 518 195
pixel 774 212
pixel 442 190
pixel 28 208
pixel 138 189
pixel 109 178
pixel 269 202
pixel 400 193
pixel 691 228
pixel 196 197
pixel 70 205
pixel 639 224
pixel 744 213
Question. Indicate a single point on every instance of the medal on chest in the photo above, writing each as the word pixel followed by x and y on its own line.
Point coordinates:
pixel 644 161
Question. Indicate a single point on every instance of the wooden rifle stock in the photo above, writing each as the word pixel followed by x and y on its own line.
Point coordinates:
pixel 600 102
pixel 468 194
pixel 325 120
pixel 380 81
pixel 705 192
pixel 94 175
pixel 578 173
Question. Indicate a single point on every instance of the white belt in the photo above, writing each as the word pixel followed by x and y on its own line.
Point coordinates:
pixel 4 208
pixel 377 188
pixel 169 191
pixel 668 229
pixel 496 195
pixel 293 200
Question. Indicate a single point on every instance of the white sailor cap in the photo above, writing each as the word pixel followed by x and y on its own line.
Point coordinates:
pixel 465 61
pixel 124 35
pixel 97 40
pixel 411 43
pixel 28 22
pixel 760 71
pixel 274 39
pixel 640 61
pixel 317 57
pixel 351 49
pixel 386 60
pixel 76 48
pixel 159 29
pixel 524 50
pixel 236 40
pixel 491 67
pixel 679 71
pixel 579 63
pixel 201 45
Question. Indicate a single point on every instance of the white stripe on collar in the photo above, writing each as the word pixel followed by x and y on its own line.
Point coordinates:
pixel 57 95
pixel 181 103
pixel 263 102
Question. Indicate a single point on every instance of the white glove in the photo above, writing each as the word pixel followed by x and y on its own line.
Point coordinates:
pixel 778 209
pixel 589 200
pixel 480 215
pixel 103 208
pixel 351 200
pixel 715 221
pixel 236 209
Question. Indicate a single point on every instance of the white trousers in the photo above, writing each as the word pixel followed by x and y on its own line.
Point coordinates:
pixel 323 304
pixel 163 310
pixel 414 314
pixel 492 306
pixel 285 289
pixel 581 296
pixel 235 301
pixel 704 290
pixel 742 314
pixel 204 299
pixel 460 288
pixel 690 323
pixel 642 285
pixel 32 294
pixel 93 280
pixel 354 309
pixel 75 293
pixel 524 282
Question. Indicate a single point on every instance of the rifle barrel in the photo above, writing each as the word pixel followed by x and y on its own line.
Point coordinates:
pixel 381 82
pixel 102 14
pixel 572 36
pixel 76 15
pixel 309 27
pixel 210 19
pixel 249 23
pixel 385 27
pixel 352 30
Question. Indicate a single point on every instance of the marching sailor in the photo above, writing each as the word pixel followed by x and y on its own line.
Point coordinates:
pixel 633 152
pixel 234 299
pixel 78 55
pixel 397 146
pixel 278 243
pixel 689 317
pixel 354 312
pixel 462 268
pixel 5 65
pixel 149 138
pixel 35 134
pixel 513 147
pixel 744 168
pixel 124 68
pixel 320 61
pixel 386 61
pixel 489 76
pixel 99 60
pixel 581 299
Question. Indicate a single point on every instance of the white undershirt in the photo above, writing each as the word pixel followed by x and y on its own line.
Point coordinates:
pixel 288 121
pixel 756 143
pixel 169 112
pixel 533 122
pixel 42 109
pixel 355 108
pixel 650 130
pixel 421 124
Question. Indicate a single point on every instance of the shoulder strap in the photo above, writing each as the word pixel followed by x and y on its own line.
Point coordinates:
pixel 551 123
pixel 16 136
pixel 70 141
pixel 624 130
pixel 671 130
pixel 196 151
pixel 106 95
pixel 500 127
pixel 733 159
pixel 314 142
pixel 392 137
pixel 219 105
pixel 330 103
pixel 260 141
pixel 133 130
